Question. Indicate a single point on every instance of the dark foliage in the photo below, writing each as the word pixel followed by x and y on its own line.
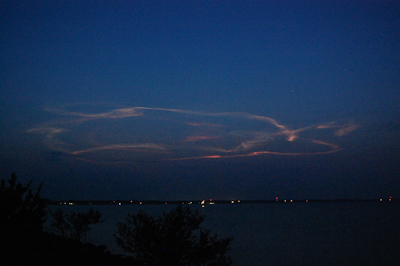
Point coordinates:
pixel 74 225
pixel 23 242
pixel 26 247
pixel 175 238
pixel 19 206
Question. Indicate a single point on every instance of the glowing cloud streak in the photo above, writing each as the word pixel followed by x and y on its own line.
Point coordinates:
pixel 161 134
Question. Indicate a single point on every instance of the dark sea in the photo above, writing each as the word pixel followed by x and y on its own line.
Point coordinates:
pixel 317 233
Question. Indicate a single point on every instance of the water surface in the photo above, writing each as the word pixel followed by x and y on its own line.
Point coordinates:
pixel 324 233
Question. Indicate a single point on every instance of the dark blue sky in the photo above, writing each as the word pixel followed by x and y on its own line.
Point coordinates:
pixel 201 99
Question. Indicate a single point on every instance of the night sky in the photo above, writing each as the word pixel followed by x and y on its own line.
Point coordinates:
pixel 169 100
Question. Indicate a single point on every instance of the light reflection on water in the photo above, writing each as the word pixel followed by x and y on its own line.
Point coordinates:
pixel 345 233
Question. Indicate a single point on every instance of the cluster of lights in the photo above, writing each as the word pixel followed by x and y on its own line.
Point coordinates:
pixel 69 203
pixel 290 200
pixel 390 199
pixel 203 203
pixel 276 199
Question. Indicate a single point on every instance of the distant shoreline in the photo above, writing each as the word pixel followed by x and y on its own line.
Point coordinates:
pixel 209 202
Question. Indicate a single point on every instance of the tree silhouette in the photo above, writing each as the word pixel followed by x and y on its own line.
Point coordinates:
pixel 74 225
pixel 19 206
pixel 175 238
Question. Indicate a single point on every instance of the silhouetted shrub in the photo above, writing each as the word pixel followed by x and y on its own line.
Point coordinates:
pixel 175 238
pixel 74 225
pixel 19 206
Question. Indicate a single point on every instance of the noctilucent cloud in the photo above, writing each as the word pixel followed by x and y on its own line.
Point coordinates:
pixel 169 100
